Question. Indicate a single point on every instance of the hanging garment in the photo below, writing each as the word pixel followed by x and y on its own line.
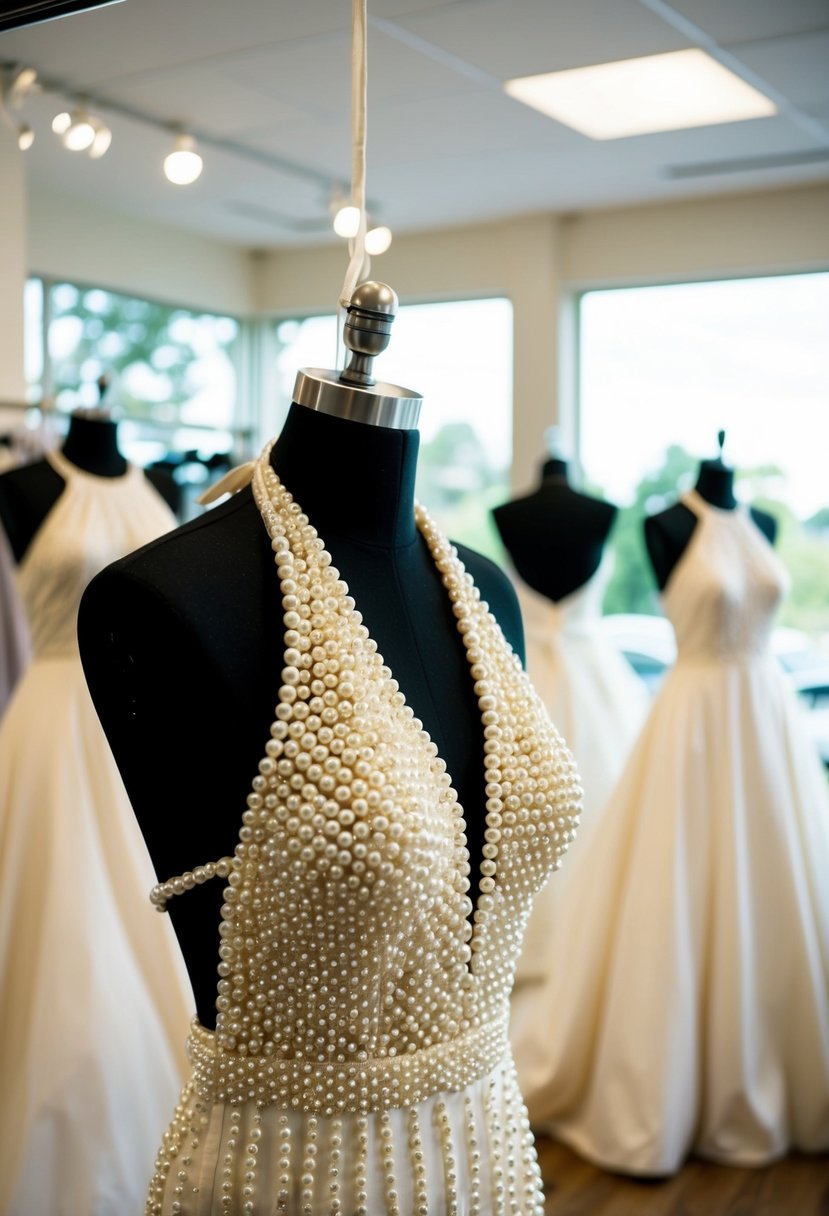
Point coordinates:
pixel 689 995
pixel 93 993
pixel 598 704
pixel 15 648
pixel 360 1063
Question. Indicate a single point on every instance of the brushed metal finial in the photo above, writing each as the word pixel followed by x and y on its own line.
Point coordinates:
pixel 353 392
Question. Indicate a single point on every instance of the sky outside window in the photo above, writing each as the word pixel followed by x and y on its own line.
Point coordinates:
pixel 673 365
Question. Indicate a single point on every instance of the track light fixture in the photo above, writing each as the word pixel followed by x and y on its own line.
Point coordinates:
pixel 378 240
pixel 183 165
pixel 16 82
pixel 80 131
pixel 101 142
pixel 22 81
pixel 80 134
pixel 346 223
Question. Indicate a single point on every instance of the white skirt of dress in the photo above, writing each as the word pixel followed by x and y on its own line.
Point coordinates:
pixel 598 704
pixel 469 1153
pixel 94 997
pixel 689 989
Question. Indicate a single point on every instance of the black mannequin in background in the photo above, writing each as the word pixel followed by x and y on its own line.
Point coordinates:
pixel 667 533
pixel 182 645
pixel 28 494
pixel 555 536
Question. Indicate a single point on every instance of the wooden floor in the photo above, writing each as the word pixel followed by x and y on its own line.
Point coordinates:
pixel 796 1186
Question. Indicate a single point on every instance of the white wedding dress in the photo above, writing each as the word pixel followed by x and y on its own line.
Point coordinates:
pixel 598 704
pixel 15 648
pixel 689 993
pixel 94 997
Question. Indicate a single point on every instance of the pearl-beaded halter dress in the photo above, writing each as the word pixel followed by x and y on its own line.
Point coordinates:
pixel 360 1064
pixel 689 987
pixel 94 1001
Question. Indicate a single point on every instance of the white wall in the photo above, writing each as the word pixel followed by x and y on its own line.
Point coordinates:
pixel 774 232
pixel 69 239
pixel 12 268
pixel 541 262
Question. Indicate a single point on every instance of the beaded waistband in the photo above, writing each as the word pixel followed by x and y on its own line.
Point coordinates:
pixel 354 1086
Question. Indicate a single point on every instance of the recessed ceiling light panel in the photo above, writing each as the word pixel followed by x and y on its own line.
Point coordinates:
pixel 640 96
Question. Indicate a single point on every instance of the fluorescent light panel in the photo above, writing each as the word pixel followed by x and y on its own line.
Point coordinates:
pixel 640 96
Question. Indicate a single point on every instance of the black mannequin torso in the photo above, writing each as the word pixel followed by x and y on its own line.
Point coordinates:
pixel 556 535
pixel 667 533
pixel 182 647
pixel 28 494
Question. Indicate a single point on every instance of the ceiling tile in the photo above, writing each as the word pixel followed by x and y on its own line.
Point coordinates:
pixel 395 72
pixel 445 144
pixel 481 123
pixel 750 20
pixel 203 96
pixel 398 8
pixel 522 37
pixel 729 141
pixel 143 35
pixel 797 67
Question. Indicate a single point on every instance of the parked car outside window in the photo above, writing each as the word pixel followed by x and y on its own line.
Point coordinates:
pixel 648 644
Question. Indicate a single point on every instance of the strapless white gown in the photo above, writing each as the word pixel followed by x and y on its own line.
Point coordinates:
pixel 598 703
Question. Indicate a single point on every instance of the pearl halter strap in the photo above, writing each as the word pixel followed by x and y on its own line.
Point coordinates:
pixel 349 975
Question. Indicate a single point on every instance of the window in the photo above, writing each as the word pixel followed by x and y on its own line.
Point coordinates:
pixel 171 372
pixel 459 357
pixel 662 369
pixel 173 367
pixel 170 375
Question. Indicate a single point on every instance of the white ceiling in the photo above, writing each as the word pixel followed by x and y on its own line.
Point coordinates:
pixel 445 144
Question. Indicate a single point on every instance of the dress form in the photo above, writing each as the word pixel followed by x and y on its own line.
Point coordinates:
pixel 668 533
pixel 182 642
pixel 28 494
pixel 555 536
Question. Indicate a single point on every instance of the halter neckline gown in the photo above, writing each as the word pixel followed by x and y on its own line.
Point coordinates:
pixel 689 992
pixel 598 704
pixel 94 997
pixel 360 1064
